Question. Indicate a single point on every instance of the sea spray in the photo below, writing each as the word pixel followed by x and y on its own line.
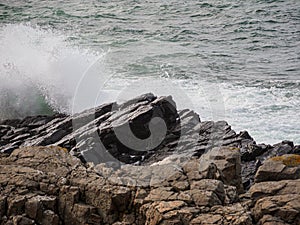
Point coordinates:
pixel 39 70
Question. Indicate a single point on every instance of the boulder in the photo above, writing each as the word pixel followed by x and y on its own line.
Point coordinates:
pixel 284 207
pixel 228 161
pixel 285 167
pixel 271 188
pixel 276 202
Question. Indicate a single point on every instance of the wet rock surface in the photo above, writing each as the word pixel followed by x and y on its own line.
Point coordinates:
pixel 143 162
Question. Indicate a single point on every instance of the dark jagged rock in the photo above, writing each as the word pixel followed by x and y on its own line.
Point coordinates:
pixel 152 164
pixel 115 134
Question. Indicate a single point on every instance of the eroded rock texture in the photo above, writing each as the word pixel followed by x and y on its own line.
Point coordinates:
pixel 47 185
pixel 143 162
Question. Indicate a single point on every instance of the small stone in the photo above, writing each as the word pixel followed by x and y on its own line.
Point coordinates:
pixel 164 206
pixel 181 185
pixel 3 205
pixel 205 198
pixel 207 219
pixel 50 218
pixel 21 220
pixel 16 205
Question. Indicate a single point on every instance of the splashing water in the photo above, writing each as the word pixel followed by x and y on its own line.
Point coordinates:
pixel 39 71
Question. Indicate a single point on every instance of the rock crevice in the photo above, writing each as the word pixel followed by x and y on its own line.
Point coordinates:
pixel 86 169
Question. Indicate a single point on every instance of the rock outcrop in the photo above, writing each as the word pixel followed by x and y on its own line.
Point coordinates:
pixel 276 194
pixel 143 162
pixel 47 185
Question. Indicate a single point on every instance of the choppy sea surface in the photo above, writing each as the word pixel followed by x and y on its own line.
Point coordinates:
pixel 228 60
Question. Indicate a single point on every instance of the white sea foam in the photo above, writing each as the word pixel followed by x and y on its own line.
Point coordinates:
pixel 39 68
pixel 269 114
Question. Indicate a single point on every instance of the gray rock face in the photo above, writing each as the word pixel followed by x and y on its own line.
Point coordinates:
pixel 143 130
pixel 142 162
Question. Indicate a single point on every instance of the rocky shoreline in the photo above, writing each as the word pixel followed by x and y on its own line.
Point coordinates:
pixel 109 165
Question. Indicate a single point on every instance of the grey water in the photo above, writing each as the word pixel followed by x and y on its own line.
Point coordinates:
pixel 228 60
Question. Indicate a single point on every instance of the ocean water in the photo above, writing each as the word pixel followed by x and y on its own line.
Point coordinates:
pixel 228 60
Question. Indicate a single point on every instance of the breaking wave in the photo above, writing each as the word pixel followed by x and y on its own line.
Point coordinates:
pixel 39 70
